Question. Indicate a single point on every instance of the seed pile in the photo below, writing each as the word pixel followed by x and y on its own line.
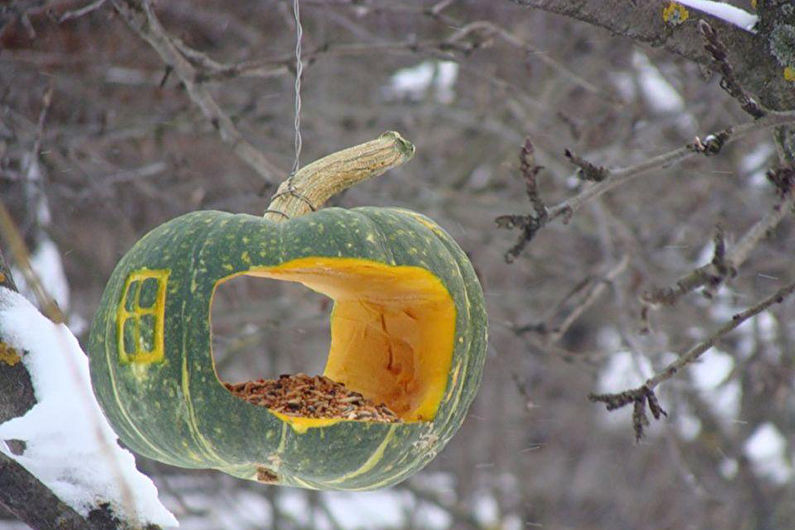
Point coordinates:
pixel 311 397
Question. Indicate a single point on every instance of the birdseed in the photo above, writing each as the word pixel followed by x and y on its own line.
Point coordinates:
pixel 311 397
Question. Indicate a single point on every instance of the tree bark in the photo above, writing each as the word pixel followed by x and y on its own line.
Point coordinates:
pixel 756 68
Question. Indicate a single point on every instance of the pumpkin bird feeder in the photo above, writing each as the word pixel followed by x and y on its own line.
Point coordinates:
pixel 408 332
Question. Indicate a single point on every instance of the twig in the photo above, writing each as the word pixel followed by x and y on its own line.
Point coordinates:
pixel 530 223
pixel 617 177
pixel 588 170
pixel 140 16
pixel 210 69
pixel 711 144
pixel 713 274
pixel 583 296
pixel 491 29
pixel 783 179
pixel 595 289
pixel 77 13
pixel 120 177
pixel 720 63
pixel 644 394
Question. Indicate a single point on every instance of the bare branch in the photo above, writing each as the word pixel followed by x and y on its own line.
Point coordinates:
pixel 622 176
pixel 140 16
pixel 582 297
pixel 588 170
pixel 32 502
pixel 755 68
pixel 711 144
pixel 531 223
pixel 720 63
pixel 77 13
pixel 726 264
pixel 644 394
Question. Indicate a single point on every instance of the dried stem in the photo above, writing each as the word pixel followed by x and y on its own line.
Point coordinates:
pixel 644 394
pixel 315 183
pixel 140 16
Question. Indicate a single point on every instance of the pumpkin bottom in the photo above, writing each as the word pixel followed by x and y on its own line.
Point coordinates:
pixel 392 331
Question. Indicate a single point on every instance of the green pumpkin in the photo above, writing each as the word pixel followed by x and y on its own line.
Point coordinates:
pixel 408 329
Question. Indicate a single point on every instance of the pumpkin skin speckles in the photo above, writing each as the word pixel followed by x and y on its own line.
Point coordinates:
pixel 420 286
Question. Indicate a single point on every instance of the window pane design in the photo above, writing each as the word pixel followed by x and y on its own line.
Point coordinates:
pixel 140 317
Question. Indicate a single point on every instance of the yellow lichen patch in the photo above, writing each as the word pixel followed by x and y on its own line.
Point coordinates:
pixel 789 73
pixel 675 14
pixel 8 354
pixel 392 331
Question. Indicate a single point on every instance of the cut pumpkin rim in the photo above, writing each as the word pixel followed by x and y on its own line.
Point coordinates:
pixel 392 332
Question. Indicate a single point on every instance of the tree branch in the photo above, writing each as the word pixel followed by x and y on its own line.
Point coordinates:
pixel 644 394
pixel 641 20
pixel 140 16
pixel 714 273
pixel 21 493
pixel 622 176
pixel 613 178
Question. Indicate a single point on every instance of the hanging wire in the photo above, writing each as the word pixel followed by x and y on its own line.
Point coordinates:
pixel 299 69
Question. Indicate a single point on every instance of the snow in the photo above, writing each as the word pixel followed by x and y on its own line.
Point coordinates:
pixel 712 369
pixel 728 468
pixel 659 94
pixel 415 82
pixel 45 259
pixel 733 15
pixel 753 165
pixel 624 370
pixel 46 263
pixel 383 509
pixel 687 424
pixel 766 448
pixel 486 510
pixel 69 445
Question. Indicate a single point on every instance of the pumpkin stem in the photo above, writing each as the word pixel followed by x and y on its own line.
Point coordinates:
pixel 311 186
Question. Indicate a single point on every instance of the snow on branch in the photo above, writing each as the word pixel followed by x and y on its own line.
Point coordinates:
pixel 68 444
pixel 733 15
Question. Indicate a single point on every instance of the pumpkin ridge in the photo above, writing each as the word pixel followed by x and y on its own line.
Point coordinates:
pixel 198 248
pixel 371 461
pixel 378 233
